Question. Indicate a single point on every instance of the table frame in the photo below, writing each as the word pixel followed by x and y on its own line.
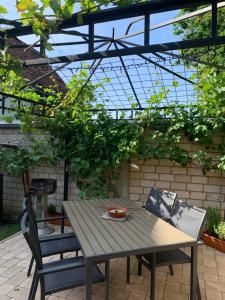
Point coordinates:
pixel 107 256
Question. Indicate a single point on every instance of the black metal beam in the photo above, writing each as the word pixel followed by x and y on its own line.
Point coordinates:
pixel 191 59
pixel 146 29
pixel 128 77
pixel 159 66
pixel 206 42
pixel 118 13
pixel 214 19
pixel 91 29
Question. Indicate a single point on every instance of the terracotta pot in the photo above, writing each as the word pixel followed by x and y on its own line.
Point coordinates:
pixel 213 242
pixel 57 222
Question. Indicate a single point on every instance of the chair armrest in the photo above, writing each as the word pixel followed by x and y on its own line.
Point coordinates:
pixel 51 219
pixel 50 270
pixel 57 237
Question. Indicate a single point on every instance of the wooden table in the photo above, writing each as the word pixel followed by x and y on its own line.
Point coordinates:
pixel 141 233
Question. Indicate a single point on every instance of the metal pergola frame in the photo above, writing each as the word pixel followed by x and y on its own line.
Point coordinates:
pixel 122 47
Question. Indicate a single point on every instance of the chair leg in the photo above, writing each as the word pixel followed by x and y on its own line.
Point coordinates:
pixel 128 269
pixel 198 290
pixel 30 266
pixel 34 286
pixel 171 270
pixel 107 280
pixel 77 253
pixel 139 269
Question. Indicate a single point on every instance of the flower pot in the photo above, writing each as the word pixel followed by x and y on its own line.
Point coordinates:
pixel 213 242
pixel 57 222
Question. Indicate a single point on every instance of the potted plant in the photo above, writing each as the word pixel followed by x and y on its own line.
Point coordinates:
pixel 52 212
pixel 214 236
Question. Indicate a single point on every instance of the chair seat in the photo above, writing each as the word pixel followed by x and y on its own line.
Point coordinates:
pixel 170 257
pixel 69 278
pixel 61 245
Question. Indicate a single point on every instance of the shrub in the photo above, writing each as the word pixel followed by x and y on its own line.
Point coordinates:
pixel 51 209
pixel 220 230
pixel 213 219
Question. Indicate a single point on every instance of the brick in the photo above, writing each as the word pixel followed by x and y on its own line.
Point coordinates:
pixel 199 179
pixel 183 178
pixel 178 186
pixel 182 194
pixel 195 187
pixel 136 175
pixel 197 195
pixel 198 203
pixel 135 182
pixel 166 163
pixel 163 184
pixel 163 170
pixel 195 171
pixel 152 176
pixel 150 169
pixel 217 180
pixel 152 162
pixel 179 170
pixel 166 177
pixel 211 188
pixel 147 183
pixel 136 190
pixel 207 204
pixel 215 197
pixel 134 197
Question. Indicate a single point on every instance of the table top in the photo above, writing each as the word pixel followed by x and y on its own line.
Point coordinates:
pixel 141 233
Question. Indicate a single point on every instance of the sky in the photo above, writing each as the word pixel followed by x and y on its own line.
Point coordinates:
pixel 118 91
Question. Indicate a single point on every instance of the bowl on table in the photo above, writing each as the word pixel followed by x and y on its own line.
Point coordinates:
pixel 117 211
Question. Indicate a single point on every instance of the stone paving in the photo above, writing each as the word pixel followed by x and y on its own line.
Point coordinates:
pixel 14 285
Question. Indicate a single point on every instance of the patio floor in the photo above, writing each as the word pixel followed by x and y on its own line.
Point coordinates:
pixel 14 285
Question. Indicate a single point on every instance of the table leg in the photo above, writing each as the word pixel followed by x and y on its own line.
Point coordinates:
pixel 193 285
pixel 107 280
pixel 88 280
pixel 153 263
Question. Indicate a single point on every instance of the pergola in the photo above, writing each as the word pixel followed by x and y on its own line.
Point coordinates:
pixel 135 70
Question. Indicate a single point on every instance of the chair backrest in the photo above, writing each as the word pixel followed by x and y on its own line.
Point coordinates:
pixel 28 228
pixel 160 202
pixel 189 219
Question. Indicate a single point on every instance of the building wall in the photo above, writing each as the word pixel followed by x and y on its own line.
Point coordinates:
pixel 188 182
pixel 13 193
pixel 136 180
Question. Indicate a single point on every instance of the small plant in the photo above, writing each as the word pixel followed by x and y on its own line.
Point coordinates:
pixel 213 219
pixel 52 209
pixel 220 230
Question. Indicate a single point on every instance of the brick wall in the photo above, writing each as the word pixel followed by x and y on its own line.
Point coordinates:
pixel 13 193
pixel 188 182
pixel 136 180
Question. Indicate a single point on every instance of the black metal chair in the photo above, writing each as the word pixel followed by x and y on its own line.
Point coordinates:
pixel 54 244
pixel 57 275
pixel 190 220
pixel 160 203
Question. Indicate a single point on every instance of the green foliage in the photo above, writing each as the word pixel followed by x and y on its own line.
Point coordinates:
pixel 200 27
pixel 51 209
pixel 8 229
pixel 220 230
pixel 213 219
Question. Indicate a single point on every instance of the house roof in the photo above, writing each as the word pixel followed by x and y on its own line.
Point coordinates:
pixel 32 73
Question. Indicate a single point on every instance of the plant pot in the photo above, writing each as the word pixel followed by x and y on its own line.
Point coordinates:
pixel 213 242
pixel 57 222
